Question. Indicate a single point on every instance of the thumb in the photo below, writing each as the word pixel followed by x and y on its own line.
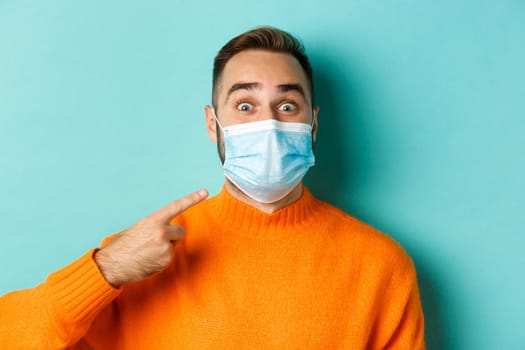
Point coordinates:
pixel 175 232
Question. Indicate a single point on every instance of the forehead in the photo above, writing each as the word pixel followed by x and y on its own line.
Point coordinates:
pixel 268 68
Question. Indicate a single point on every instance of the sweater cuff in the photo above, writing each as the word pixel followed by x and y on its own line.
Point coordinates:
pixel 80 289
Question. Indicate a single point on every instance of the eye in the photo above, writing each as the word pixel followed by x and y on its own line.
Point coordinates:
pixel 244 107
pixel 287 107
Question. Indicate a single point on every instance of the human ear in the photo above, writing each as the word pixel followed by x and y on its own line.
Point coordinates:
pixel 211 124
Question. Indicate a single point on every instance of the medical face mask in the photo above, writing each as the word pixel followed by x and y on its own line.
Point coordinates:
pixel 267 159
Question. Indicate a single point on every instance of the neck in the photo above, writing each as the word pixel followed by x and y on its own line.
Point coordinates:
pixel 268 208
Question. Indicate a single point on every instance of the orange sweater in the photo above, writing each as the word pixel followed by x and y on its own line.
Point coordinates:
pixel 305 277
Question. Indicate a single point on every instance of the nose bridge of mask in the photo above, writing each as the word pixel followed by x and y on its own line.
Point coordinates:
pixel 267 126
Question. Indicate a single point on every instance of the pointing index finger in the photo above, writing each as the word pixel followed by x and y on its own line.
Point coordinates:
pixel 176 207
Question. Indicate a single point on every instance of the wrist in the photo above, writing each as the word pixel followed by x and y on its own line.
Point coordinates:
pixel 106 266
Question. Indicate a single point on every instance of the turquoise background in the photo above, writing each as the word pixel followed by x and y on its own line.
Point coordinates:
pixel 421 133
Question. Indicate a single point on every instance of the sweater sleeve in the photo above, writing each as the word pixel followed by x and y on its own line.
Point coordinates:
pixel 57 313
pixel 404 311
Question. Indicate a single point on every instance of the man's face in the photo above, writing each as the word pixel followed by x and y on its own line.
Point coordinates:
pixel 258 85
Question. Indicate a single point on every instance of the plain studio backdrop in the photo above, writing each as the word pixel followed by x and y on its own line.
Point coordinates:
pixel 421 134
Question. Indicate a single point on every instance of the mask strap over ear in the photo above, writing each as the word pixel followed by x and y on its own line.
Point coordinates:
pixel 216 119
pixel 313 120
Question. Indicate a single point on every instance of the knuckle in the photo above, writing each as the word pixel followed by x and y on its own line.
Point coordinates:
pixel 147 220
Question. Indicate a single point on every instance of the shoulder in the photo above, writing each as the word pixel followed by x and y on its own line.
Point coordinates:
pixel 369 243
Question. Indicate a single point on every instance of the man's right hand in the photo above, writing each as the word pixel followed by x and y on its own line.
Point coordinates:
pixel 145 248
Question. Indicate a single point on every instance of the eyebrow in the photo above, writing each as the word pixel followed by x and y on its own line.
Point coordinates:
pixel 243 86
pixel 292 87
pixel 258 86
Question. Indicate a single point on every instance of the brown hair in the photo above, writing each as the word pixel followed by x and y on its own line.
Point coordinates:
pixel 265 38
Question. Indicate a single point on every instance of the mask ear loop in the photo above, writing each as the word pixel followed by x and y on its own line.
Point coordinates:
pixel 312 128
pixel 313 120
pixel 216 118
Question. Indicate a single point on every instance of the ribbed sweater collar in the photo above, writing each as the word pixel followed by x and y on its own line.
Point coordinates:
pixel 241 216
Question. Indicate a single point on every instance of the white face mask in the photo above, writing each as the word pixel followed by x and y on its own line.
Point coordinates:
pixel 267 159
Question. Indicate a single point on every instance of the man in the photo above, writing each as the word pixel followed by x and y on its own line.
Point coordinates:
pixel 262 265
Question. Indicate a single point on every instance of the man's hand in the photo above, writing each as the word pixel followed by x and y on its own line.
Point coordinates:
pixel 145 248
